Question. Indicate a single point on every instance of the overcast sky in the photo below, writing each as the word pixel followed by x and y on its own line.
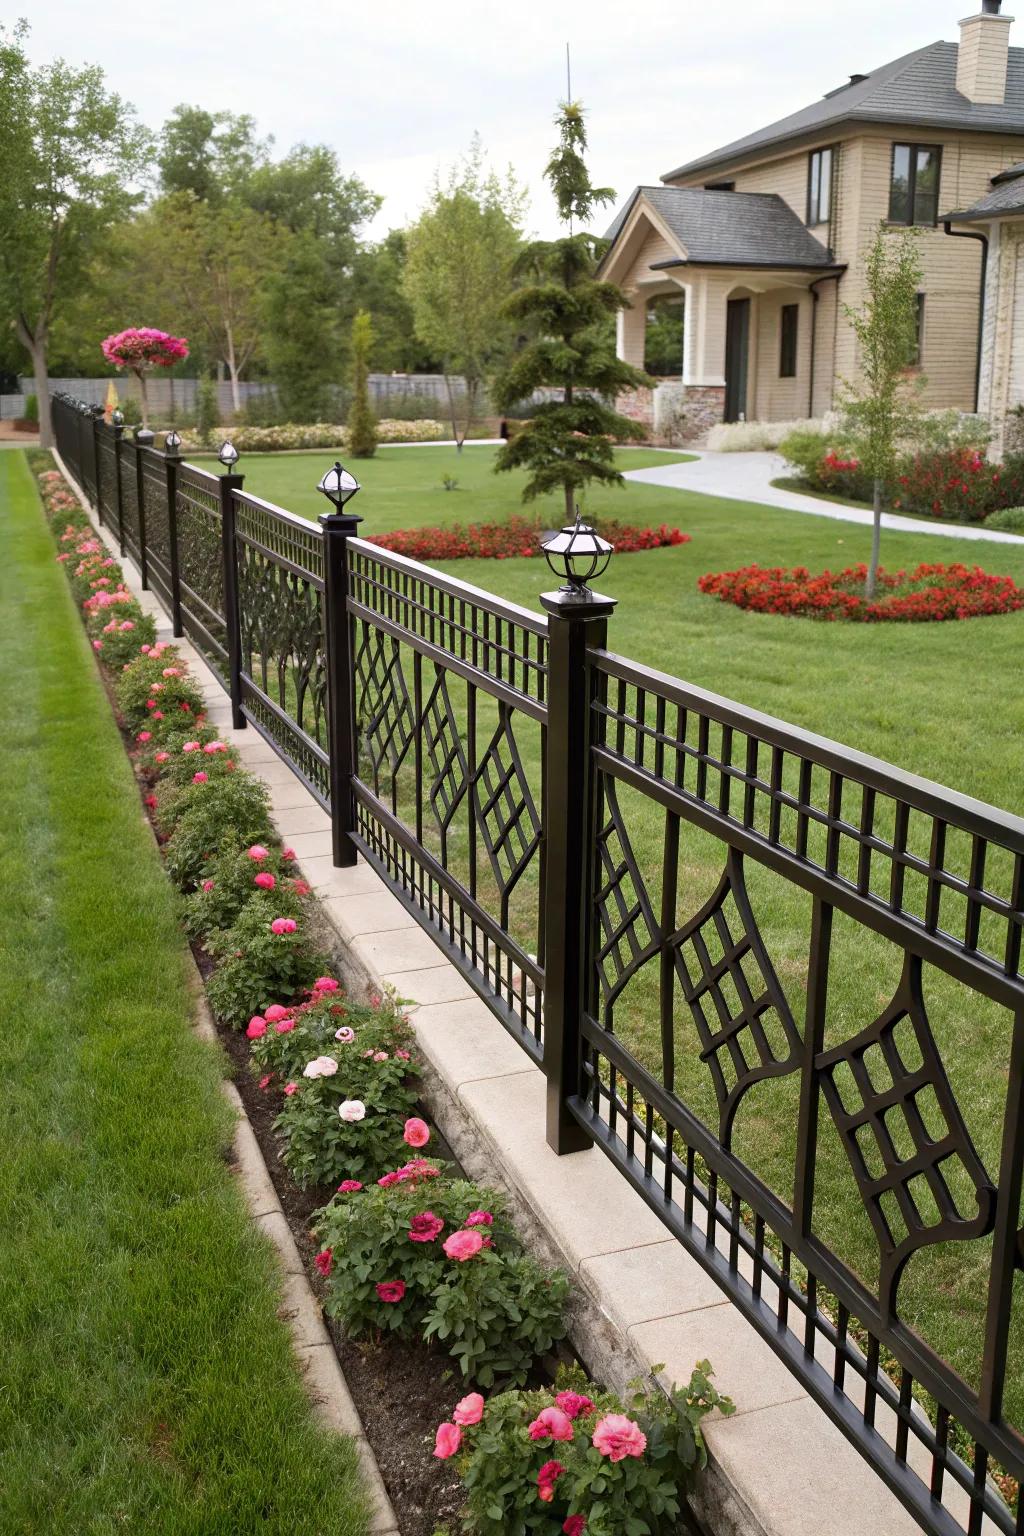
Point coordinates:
pixel 398 88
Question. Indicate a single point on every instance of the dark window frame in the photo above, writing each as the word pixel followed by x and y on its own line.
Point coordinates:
pixel 912 221
pixel 814 214
pixel 789 338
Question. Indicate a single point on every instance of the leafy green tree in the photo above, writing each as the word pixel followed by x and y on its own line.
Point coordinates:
pixel 569 441
pixel 212 156
pixel 69 151
pixel 362 424
pixel 881 409
pixel 461 252
pixel 377 279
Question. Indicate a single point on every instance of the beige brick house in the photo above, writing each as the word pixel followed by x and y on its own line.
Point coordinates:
pixel 762 241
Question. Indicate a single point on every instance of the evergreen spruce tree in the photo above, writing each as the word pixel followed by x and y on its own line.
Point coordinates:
pixel 362 424
pixel 571 441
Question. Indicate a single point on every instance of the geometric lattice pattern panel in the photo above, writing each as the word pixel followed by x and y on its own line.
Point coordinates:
pixel 629 932
pixel 385 713
pixel 505 809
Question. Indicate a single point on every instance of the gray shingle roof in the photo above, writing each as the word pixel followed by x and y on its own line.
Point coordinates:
pixel 918 89
pixel 755 229
pixel 1007 196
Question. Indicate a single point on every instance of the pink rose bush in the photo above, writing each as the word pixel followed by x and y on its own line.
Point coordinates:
pixel 578 1460
pixel 139 350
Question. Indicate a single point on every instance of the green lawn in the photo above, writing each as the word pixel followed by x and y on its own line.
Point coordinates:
pixel 942 700
pixel 147 1383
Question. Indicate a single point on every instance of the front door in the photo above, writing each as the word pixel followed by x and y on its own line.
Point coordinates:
pixel 737 332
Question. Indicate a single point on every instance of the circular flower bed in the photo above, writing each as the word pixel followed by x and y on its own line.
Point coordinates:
pixel 929 593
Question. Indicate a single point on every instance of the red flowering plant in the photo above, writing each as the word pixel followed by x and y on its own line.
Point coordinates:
pixel 139 350
pixel 927 594
pixel 512 538
pixel 235 876
pixel 156 681
pixel 578 1460
pixel 418 1235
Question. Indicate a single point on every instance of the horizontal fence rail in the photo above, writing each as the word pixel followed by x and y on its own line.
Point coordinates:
pixel 776 981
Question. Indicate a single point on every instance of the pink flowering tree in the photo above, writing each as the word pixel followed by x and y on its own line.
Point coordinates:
pixel 140 349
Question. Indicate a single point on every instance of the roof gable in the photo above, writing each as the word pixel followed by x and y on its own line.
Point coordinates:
pixel 746 229
pixel 918 89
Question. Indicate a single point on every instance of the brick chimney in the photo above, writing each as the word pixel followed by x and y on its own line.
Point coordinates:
pixel 982 56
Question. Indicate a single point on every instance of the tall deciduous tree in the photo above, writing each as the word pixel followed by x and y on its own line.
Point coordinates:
pixel 362 424
pixel 881 408
pixel 213 156
pixel 69 151
pixel 460 255
pixel 569 441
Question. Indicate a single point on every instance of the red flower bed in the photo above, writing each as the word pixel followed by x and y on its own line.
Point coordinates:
pixel 929 593
pixel 515 538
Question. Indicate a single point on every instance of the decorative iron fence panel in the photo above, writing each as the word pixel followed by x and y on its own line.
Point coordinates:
pixel 450 712
pixel 888 878
pixel 280 566
pixel 87 457
pixel 200 562
pixel 130 500
pixel 158 539
pixel 106 474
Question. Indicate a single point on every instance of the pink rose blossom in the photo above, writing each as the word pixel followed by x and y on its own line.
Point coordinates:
pixel 349 1186
pixel 470 1410
pixel 287 853
pixel 191 746
pixel 161 757
pixel 199 778
pixel 573 1403
pixel 214 746
pixel 275 1012
pixel 479 1219
pixel 264 879
pixel 463 1245
pixel 447 1441
pixel 380 1055
pixel 97 645
pixel 390 1291
pixel 157 714
pixel 323 1261
pixel 284 1026
pixel 547 1477
pixel 208 885
pixel 574 1525
pixel 282 925
pixel 416 1133
pixel 290 1088
pixel 266 1081
pixel 425 1227
pixel 345 1035
pixel 257 1028
pixel 551 1424
pixel 144 736
pixel 257 852
pixel 403 1055
pixel 325 984
pixel 352 1111
pixel 618 1437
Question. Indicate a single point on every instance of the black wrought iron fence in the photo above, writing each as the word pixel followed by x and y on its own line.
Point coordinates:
pixel 776 981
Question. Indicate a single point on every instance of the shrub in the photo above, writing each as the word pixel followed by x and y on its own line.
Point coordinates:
pixel 202 816
pixel 576 1459
pixel 118 626
pixel 1007 520
pixel 207 413
pixel 362 424
pixel 929 593
pixel 511 538
pixel 494 1309
pixel 31 408
pixel 755 436
pixel 329 1025
pixel 346 1121
pixel 804 447
pixel 264 955
pixel 230 883
pixel 157 681
pixel 294 435
pixel 956 483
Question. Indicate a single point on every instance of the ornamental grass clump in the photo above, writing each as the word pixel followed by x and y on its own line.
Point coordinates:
pixel 263 955
pixel 577 1460
pixel 426 1254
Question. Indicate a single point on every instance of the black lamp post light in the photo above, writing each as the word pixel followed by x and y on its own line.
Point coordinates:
pixel 339 485
pixel 579 555
pixel 117 418
pixel 172 442
pixel 228 456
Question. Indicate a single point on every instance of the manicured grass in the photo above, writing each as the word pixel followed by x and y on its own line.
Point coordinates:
pixel 147 1383
pixel 941 700
pixel 402 487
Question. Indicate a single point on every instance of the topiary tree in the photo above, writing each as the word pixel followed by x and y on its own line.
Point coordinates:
pixel 881 410
pixel 140 349
pixel 566 311
pixel 362 424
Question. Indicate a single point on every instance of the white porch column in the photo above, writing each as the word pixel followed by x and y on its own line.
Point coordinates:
pixel 704 334
pixel 630 330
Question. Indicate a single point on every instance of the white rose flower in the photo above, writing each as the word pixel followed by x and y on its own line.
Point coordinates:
pixel 352 1109
pixel 320 1066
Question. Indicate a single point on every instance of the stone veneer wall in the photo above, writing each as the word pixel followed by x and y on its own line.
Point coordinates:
pixel 675 413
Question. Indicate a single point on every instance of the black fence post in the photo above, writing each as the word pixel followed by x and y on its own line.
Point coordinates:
pixel 172 458
pixel 576 623
pixel 229 561
pixel 338 528
pixel 118 434
pixel 143 438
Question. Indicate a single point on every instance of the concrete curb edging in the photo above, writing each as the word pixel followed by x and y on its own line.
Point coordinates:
pixel 778 1466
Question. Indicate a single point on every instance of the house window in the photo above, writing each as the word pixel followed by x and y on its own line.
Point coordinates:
pixel 788 323
pixel 914 184
pixel 819 187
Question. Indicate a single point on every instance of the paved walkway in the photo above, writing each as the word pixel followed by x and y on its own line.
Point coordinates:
pixel 748 477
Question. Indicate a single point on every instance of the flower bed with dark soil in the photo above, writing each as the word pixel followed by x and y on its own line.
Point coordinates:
pixel 513 538
pixel 425 1285
pixel 927 594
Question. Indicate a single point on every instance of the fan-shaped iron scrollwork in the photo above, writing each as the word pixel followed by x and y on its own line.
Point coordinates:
pixel 744 1023
pixel 382 701
pixel 869 1113
pixel 444 747
pixel 504 808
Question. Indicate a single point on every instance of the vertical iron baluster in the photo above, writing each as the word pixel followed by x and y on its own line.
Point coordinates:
pixel 118 435
pixel 1004 1237
pixel 814 1035
pixel 140 502
pixel 171 463
pixel 228 485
